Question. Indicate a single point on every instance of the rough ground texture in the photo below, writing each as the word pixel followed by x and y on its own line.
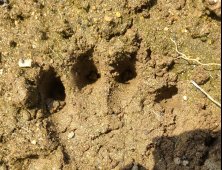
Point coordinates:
pixel 106 89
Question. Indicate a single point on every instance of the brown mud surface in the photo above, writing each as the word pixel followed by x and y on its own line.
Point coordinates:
pixel 106 89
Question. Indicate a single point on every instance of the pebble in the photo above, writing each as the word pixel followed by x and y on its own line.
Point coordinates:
pixel 212 2
pixel 39 114
pixel 184 30
pixel 51 61
pixel 34 142
pixel 166 29
pixel 71 135
pixel 185 98
pixel 118 15
pixel 177 161
pixel 26 115
pixel 145 14
pixel 109 8
pixel 108 18
pixel 135 167
pixel 185 162
pixel 25 63
pixel 4 1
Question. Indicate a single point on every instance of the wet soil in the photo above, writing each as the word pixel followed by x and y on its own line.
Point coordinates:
pixel 106 89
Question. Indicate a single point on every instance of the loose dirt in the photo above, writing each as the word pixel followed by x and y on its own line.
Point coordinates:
pixel 106 89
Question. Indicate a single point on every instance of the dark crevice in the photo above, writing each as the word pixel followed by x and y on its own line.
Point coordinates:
pixel 143 7
pixel 209 141
pixel 66 157
pixel 125 69
pixel 166 93
pixel 153 2
pixel 214 16
pixel 29 157
pixel 204 158
pixel 51 128
pixel 51 86
pixel 4 2
pixel 84 71
pixel 20 17
pixel 12 44
pixel 133 166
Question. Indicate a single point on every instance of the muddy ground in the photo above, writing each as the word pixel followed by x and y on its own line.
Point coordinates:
pixel 106 89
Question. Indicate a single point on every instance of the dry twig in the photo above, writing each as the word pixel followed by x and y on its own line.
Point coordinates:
pixel 158 115
pixel 195 84
pixel 191 59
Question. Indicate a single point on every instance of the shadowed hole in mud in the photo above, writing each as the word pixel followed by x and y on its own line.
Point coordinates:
pixel 166 93
pixel 52 87
pixel 188 147
pixel 209 141
pixel 214 16
pixel 84 72
pixel 126 71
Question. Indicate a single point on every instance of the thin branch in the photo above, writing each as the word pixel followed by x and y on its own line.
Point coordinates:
pixel 54 52
pixel 195 84
pixel 191 59
pixel 159 116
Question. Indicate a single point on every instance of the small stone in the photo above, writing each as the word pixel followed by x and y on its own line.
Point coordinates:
pixel 86 147
pixel 166 29
pixel 177 161
pixel 71 135
pixel 200 75
pixel 118 15
pixel 62 104
pixel 165 13
pixel 109 8
pixel 33 142
pixel 26 115
pixel 135 167
pixel 184 30
pixel 185 98
pixel 52 105
pixel 39 114
pixel 25 63
pixel 171 20
pixel 185 162
pixel 108 18
pixel 212 2
pixel 51 61
pixel 129 32
pixel 145 14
